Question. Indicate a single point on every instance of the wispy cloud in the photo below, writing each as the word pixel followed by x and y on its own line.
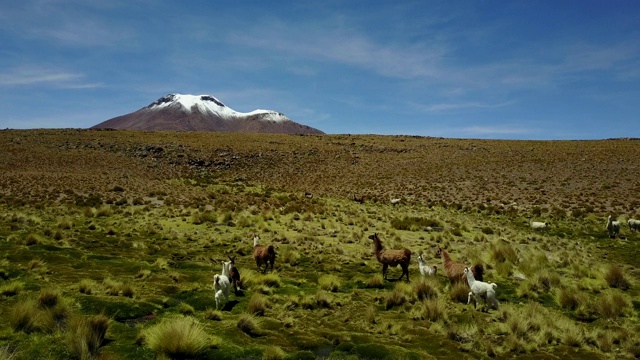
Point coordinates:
pixel 26 76
pixel 347 47
pixel 443 107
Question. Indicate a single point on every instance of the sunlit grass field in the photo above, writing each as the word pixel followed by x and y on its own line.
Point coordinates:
pixel 109 241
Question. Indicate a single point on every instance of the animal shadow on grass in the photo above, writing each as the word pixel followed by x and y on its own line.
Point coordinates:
pixel 230 305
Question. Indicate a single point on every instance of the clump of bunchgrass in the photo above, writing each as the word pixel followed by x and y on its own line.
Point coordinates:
pixel 425 289
pixel 248 325
pixel 86 335
pixel 143 274
pixel 258 304
pixel 48 298
pixel 612 305
pixel 323 299
pixel 177 338
pixel 459 292
pixel 185 309
pixel 570 298
pixel 329 282
pixel 616 279
pixel 212 314
pixel 85 286
pixel 273 353
pixel 503 252
pixel 11 288
pixel 23 316
pixel 289 255
pixel 7 354
pixel 375 282
pixel 112 287
pixel 432 309
pixel 397 297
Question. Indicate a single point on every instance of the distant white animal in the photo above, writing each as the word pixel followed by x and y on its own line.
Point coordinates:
pixel 537 225
pixel 634 225
pixel 613 227
pixel 395 201
pixel 426 270
pixel 479 289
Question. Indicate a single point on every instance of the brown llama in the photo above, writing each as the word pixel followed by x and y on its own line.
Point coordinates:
pixel 455 270
pixel 391 257
pixel 234 275
pixel 263 254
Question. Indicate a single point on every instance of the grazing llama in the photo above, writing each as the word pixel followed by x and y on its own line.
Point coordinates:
pixel 221 286
pixel 391 257
pixel 234 275
pixel 455 270
pixel 613 227
pixel 263 254
pixel 486 291
pixel 426 270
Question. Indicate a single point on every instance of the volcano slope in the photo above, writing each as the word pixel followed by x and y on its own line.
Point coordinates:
pixel 109 241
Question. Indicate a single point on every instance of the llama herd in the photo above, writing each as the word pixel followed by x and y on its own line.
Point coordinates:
pixel 456 272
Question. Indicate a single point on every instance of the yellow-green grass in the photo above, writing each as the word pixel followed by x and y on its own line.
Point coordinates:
pixel 80 236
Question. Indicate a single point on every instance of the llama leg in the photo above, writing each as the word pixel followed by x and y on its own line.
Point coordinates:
pixel 384 271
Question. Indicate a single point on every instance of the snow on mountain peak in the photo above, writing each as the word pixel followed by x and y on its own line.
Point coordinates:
pixel 209 104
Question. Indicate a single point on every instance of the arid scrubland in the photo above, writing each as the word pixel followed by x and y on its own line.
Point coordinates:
pixel 109 241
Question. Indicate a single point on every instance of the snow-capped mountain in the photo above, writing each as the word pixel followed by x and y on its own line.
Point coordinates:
pixel 203 113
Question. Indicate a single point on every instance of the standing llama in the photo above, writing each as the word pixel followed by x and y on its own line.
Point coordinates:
pixel 455 270
pixel 391 257
pixel 480 289
pixel 613 227
pixel 221 286
pixel 234 275
pixel 263 254
pixel 426 270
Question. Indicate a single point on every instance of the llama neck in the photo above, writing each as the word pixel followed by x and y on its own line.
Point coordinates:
pixel 445 256
pixel 256 241
pixel 377 245
pixel 470 278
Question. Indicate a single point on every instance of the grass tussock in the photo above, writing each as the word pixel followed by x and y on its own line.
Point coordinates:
pixel 86 335
pixel 177 337
pixel 48 298
pixel 612 305
pixel 425 289
pixel 459 293
pixel 11 288
pixel 248 325
pixel 273 353
pixel 375 282
pixel 258 304
pixel 212 314
pixel 616 279
pixel 86 286
pixel 397 297
pixel 431 309
pixel 329 282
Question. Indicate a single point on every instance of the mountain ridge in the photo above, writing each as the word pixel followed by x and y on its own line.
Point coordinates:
pixel 183 112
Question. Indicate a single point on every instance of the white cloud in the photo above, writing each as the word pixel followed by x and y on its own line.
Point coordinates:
pixel 31 76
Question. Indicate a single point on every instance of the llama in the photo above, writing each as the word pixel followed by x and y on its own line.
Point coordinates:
pixel 537 225
pixel 221 287
pixel 395 201
pixel 389 257
pixel 455 270
pixel 634 225
pixel 613 227
pixel 484 290
pixel 234 275
pixel 426 270
pixel 263 254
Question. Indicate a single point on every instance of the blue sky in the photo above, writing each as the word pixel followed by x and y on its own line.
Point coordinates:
pixel 463 69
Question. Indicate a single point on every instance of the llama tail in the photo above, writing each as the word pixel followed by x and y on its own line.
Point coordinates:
pixel 407 253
